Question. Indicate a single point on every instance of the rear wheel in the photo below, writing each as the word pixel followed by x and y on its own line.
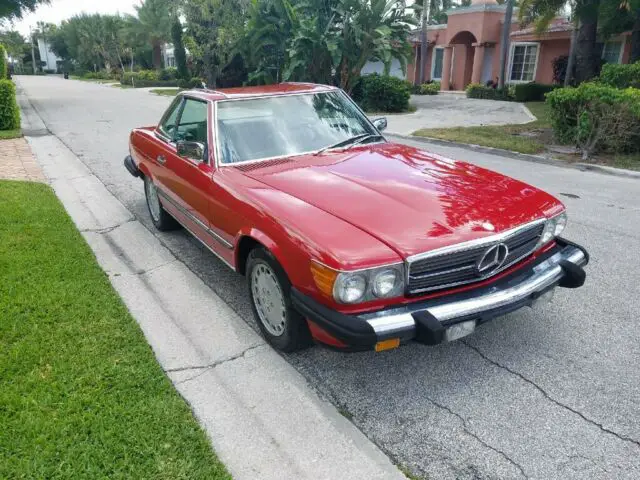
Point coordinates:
pixel 269 289
pixel 159 216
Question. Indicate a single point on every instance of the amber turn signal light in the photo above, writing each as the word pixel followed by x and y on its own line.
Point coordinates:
pixel 387 344
pixel 324 277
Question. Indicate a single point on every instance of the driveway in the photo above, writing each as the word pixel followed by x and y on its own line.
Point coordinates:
pixel 552 393
pixel 454 110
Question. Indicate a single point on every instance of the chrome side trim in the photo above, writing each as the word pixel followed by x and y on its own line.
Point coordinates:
pixel 213 234
pixel 500 237
pixel 546 274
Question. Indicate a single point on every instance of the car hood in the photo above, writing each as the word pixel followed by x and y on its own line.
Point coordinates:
pixel 411 200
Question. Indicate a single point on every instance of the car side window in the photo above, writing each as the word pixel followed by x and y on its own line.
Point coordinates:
pixel 168 124
pixel 192 126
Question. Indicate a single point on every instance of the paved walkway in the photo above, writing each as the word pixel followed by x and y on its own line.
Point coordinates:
pixel 446 111
pixel 17 162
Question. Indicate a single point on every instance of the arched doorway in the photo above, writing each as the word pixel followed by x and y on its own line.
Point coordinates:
pixel 462 64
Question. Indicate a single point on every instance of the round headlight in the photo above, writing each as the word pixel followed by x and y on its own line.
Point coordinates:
pixel 547 233
pixel 385 282
pixel 561 222
pixel 350 288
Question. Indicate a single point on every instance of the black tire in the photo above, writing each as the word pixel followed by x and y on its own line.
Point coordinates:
pixel 296 334
pixel 162 220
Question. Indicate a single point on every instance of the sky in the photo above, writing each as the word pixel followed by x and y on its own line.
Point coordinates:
pixel 60 10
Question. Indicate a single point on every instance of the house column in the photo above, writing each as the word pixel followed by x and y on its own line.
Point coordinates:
pixel 446 67
pixel 478 62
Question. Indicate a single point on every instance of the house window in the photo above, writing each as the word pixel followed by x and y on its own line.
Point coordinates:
pixel 524 58
pixel 611 52
pixel 436 64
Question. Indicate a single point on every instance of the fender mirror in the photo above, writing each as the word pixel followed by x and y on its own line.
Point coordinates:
pixel 380 123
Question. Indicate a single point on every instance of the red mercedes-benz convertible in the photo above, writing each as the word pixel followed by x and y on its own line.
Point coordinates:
pixel 344 237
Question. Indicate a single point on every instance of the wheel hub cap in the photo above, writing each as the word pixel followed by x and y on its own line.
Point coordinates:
pixel 268 299
pixel 152 200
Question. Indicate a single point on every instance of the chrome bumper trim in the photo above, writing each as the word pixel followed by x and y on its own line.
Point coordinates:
pixel 545 274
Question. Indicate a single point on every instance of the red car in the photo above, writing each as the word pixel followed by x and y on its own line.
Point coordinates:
pixel 344 237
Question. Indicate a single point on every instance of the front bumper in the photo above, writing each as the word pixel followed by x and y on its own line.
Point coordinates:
pixel 427 321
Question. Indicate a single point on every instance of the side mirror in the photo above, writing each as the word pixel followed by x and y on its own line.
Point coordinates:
pixel 380 123
pixel 191 150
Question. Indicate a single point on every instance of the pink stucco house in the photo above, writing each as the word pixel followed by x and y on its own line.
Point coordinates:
pixel 467 49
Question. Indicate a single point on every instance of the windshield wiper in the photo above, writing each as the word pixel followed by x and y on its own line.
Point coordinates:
pixel 346 142
pixel 365 138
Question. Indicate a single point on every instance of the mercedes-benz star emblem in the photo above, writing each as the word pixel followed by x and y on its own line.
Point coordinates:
pixel 492 259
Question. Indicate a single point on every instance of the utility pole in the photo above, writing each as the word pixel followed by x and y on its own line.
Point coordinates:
pixel 504 50
pixel 33 52
pixel 426 5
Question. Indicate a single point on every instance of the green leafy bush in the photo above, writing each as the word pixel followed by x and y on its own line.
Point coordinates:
pixel 596 117
pixel 475 90
pixel 169 73
pixel 9 112
pixel 146 78
pixel 99 75
pixel 532 92
pixel 432 88
pixel 621 76
pixel 382 93
pixel 195 82
pixel 3 63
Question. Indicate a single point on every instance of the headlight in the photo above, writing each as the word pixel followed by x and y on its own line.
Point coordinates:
pixel 552 228
pixel 349 288
pixel 361 285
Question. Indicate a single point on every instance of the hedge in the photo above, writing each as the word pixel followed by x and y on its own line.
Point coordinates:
pixel 621 76
pixel 3 63
pixel 149 78
pixel 532 92
pixel 9 111
pixel 475 90
pixel 596 117
pixel 382 93
pixel 195 82
pixel 432 88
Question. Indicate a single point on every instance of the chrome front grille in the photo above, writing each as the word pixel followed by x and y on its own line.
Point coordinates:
pixel 456 265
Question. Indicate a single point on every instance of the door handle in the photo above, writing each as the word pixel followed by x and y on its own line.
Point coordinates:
pixel 161 159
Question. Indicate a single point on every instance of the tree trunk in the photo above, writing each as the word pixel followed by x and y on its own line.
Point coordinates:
pixel 635 39
pixel 157 55
pixel 568 74
pixel 586 50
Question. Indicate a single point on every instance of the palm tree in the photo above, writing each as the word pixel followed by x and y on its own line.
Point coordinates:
pixel 152 26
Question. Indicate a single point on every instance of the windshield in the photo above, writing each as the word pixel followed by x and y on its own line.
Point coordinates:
pixel 281 126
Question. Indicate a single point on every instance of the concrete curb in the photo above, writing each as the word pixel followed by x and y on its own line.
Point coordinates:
pixel 262 417
pixel 547 160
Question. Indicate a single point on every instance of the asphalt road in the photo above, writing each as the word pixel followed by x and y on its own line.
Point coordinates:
pixel 547 393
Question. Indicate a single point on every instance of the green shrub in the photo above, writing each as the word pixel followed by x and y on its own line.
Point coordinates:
pixel 532 92
pixel 382 93
pixel 146 78
pixel 195 82
pixel 596 117
pixel 432 88
pixel 621 76
pixel 3 63
pixel 475 90
pixel 169 73
pixel 99 75
pixel 9 111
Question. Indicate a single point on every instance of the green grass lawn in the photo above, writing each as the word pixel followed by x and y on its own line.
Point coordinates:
pixel 8 134
pixel 168 92
pixel 505 136
pixel 81 394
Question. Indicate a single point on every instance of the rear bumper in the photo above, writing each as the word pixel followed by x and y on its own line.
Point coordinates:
pixel 131 166
pixel 427 321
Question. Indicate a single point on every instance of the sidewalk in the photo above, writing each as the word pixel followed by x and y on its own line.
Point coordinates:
pixel 17 162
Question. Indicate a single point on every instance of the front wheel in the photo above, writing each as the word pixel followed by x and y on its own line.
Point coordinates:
pixel 159 216
pixel 269 288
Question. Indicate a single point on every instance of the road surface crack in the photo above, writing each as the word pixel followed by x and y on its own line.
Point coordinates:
pixel 205 368
pixel 465 428
pixel 553 400
pixel 102 231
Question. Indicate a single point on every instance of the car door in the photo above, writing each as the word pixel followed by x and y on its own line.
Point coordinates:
pixel 188 180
